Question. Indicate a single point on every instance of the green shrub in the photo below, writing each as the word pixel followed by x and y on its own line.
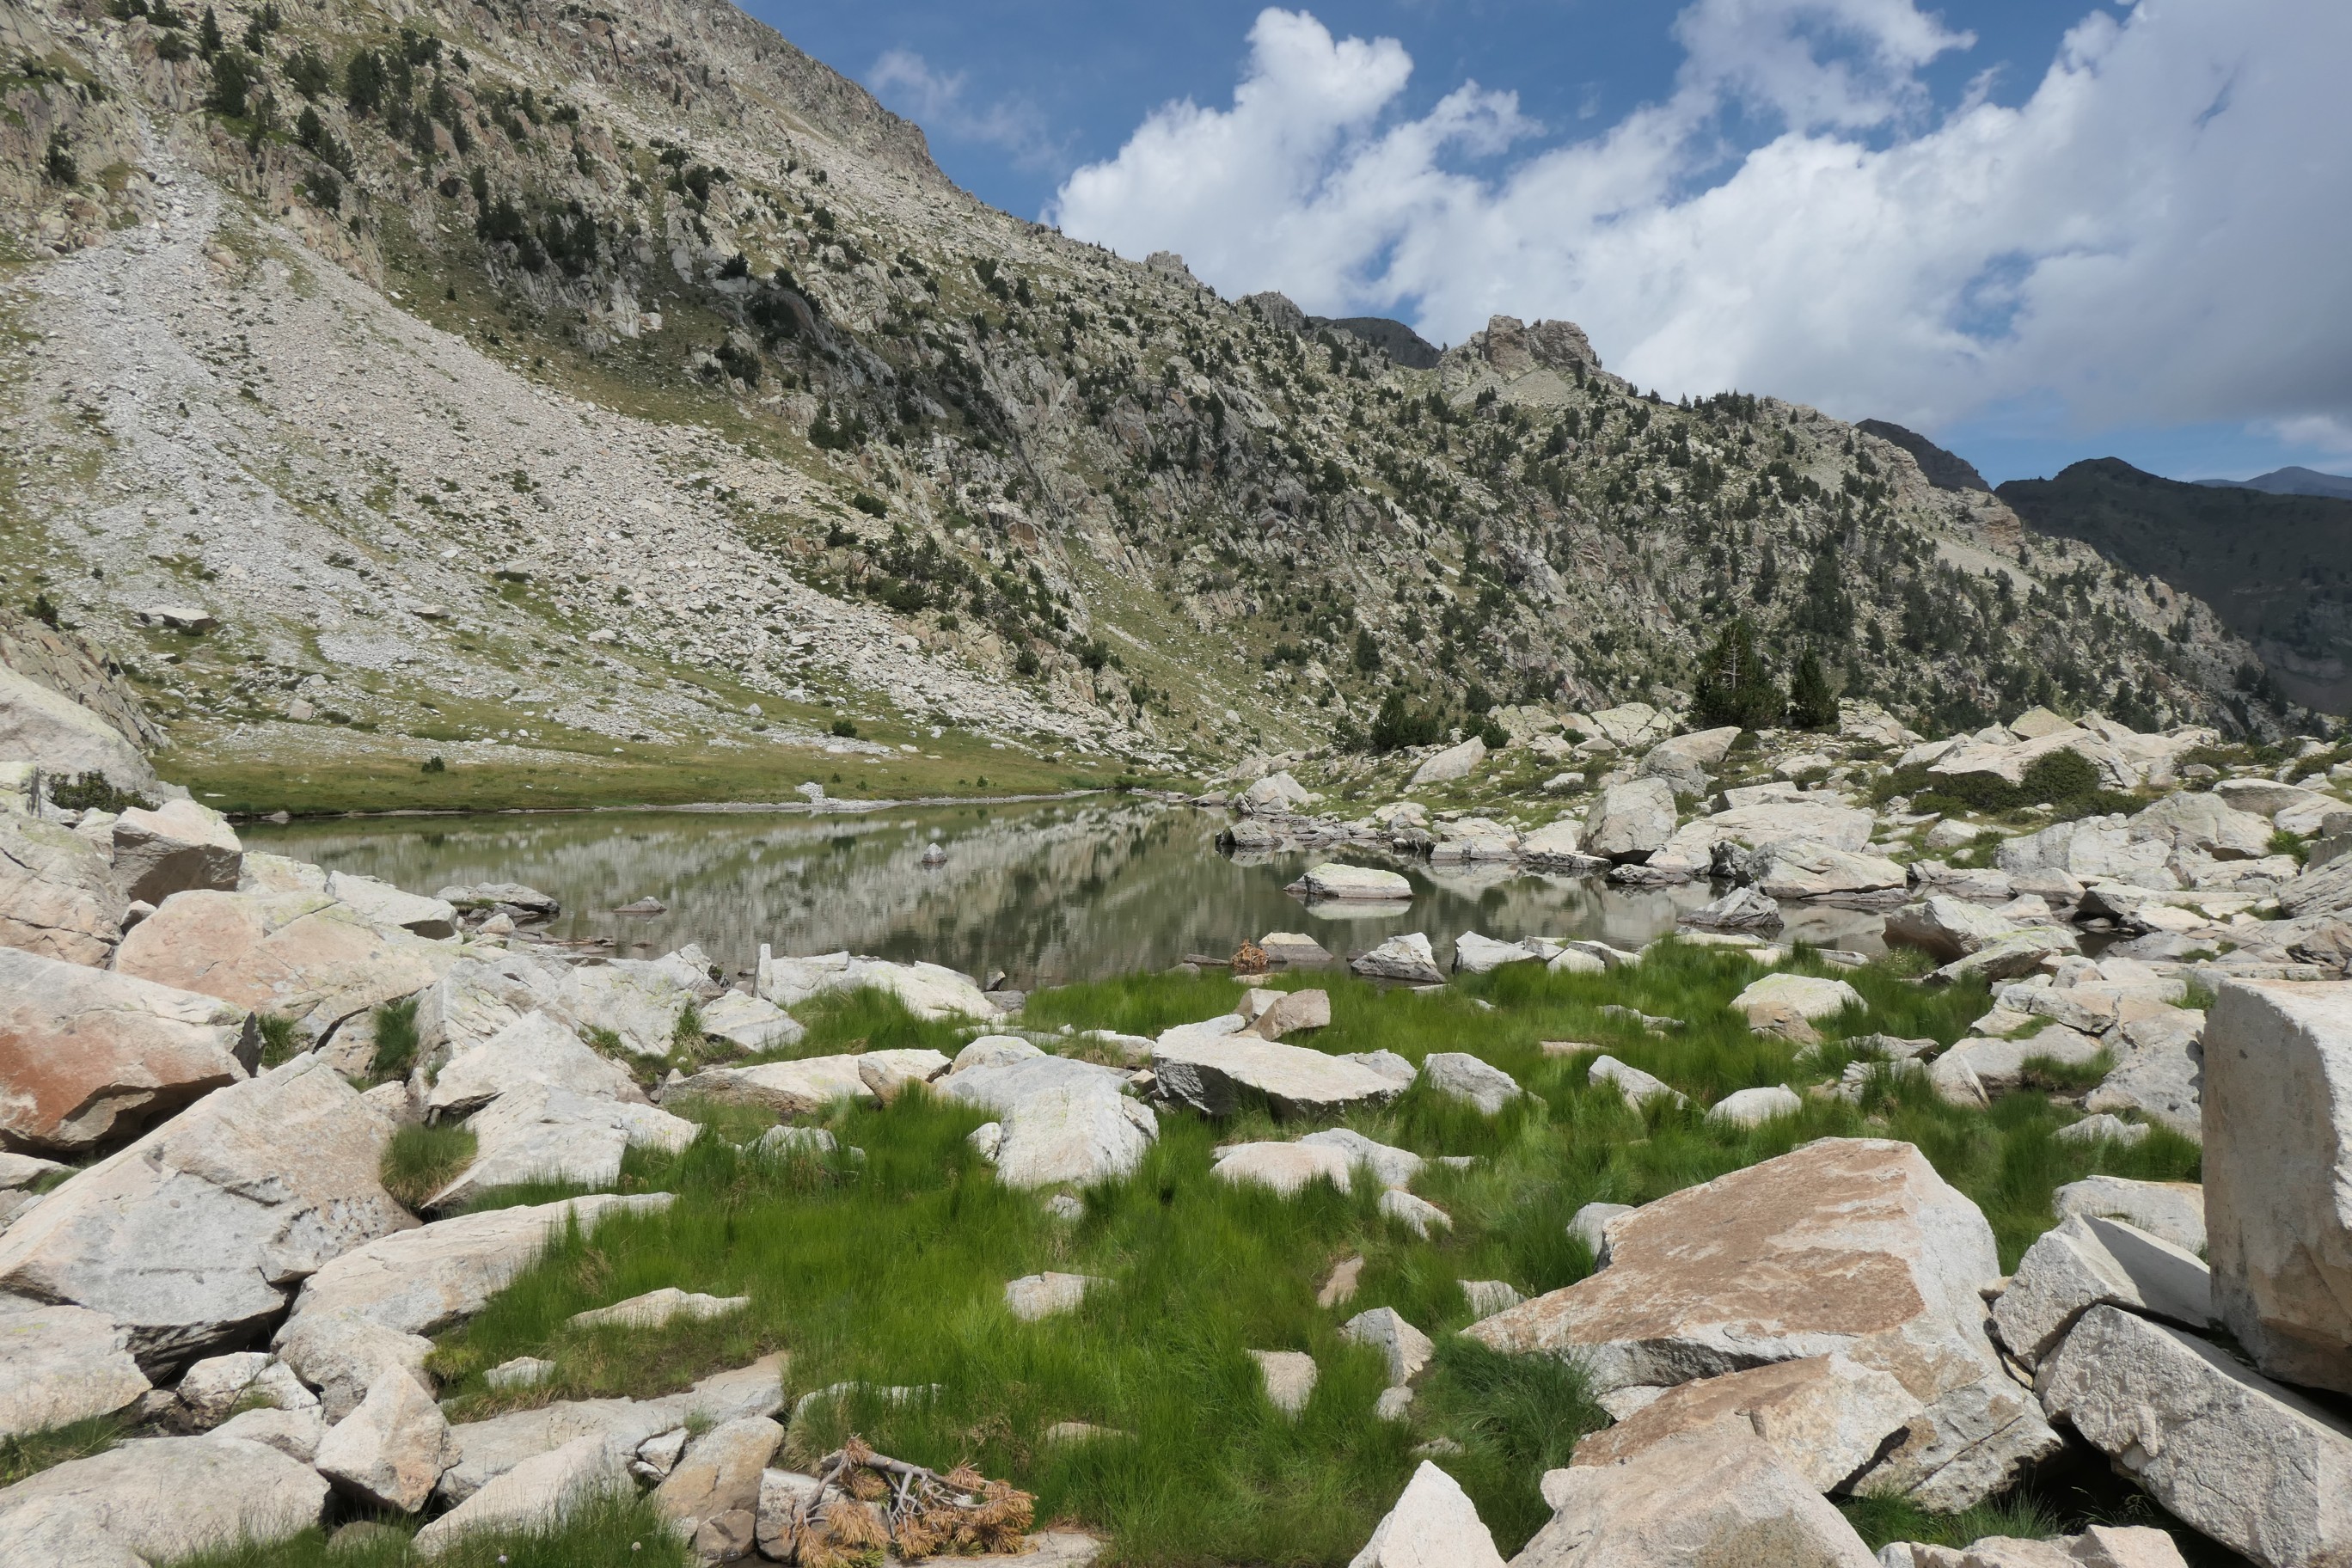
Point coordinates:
pixel 92 792
pixel 420 1160
pixel 845 728
pixel 396 1040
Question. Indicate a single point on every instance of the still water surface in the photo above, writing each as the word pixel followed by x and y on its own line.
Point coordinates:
pixel 1046 892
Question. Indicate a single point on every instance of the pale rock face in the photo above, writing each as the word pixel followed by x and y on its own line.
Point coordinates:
pixel 1036 1295
pixel 1280 1012
pixel 61 1364
pixel 89 1056
pixel 716 1485
pixel 1997 1066
pixel 1810 997
pixel 1465 1077
pixel 57 897
pixel 1827 1416
pixel 1948 928
pixel 179 847
pixel 536 1048
pixel 1475 954
pixel 1801 869
pixel 2253 1465
pixel 537 1493
pixel 994 1050
pixel 1216 1078
pixel 2160 1071
pixel 1630 822
pixel 2005 958
pixel 928 990
pixel 1487 1297
pixel 1417 1215
pixel 1847 1245
pixel 1638 1086
pixel 423 1281
pixel 1433 1525
pixel 194 1235
pixel 809 1084
pixel 159 1501
pixel 2262 797
pixel 2278 1174
pixel 1755 1107
pixel 1062 1119
pixel 1684 760
pixel 637 999
pixel 1590 1225
pixel 477 997
pixel 1391 1167
pixel 209 1390
pixel 295 1434
pixel 1367 884
pixel 751 1023
pixel 1289 1378
pixel 2173 1211
pixel 2088 1262
pixel 1555 842
pixel 2208 822
pixel 1274 795
pixel 341 1354
pixel 1404 1348
pixel 392 1448
pixel 68 738
pixel 1287 1168
pixel 1719 1494
pixel 656 1308
pixel 301 956
pixel 1453 763
pixel 2091 849
pixel 534 1133
pixel 1408 958
pixel 387 907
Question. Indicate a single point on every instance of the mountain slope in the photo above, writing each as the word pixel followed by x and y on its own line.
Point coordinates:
pixel 583 380
pixel 2278 568
pixel 1944 470
pixel 2292 481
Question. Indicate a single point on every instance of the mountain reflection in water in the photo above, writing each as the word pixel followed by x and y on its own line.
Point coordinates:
pixel 1048 892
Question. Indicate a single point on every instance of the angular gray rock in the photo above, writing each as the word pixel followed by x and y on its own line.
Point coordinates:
pixel 61 1364
pixel 1358 884
pixel 391 1450
pixel 1461 1076
pixel 2159 1070
pixel 1408 958
pixel 1289 1378
pixel 423 1281
pixel 1735 1272
pixel 178 847
pixel 1475 954
pixel 2172 1211
pixel 1391 1167
pixel 57 897
pixel 1433 1522
pixel 1287 1168
pixel 2087 1262
pixel 1062 1119
pixel 1590 1225
pixel 158 1500
pixel 1405 1349
pixel 535 1132
pixel 540 1492
pixel 1630 822
pixel 1638 1086
pixel 214 1386
pixel 2255 1465
pixel 1828 1418
pixel 1948 928
pixel 89 1057
pixel 712 1496
pixel 811 1083
pixel 1754 1107
pixel 2278 1210
pixel 1718 1495
pixel 341 1354
pixel 1217 1078
pixel 653 1308
pixel 536 1048
pixel 194 1235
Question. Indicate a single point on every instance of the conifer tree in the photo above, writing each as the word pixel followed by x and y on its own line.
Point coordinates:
pixel 1734 687
pixel 1811 704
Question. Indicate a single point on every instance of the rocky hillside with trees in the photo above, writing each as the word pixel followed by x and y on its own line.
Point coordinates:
pixel 605 382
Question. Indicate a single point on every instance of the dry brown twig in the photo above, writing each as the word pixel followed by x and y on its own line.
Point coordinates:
pixel 865 1501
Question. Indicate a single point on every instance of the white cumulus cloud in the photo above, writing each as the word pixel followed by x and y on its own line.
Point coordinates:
pixel 2155 234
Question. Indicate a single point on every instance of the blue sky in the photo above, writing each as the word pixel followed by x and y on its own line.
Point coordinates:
pixel 1702 124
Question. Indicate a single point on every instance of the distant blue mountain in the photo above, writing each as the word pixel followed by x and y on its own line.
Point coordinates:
pixel 2290 482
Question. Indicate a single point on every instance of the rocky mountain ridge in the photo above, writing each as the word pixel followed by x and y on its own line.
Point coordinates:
pixel 544 375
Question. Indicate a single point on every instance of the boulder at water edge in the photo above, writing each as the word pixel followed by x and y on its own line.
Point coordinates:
pixel 1408 958
pixel 1630 822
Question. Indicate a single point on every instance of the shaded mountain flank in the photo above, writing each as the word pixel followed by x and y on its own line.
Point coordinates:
pixel 2291 481
pixel 1944 470
pixel 2277 568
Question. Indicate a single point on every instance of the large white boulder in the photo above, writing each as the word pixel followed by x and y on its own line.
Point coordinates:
pixel 538 1132
pixel 1433 1525
pixel 2208 822
pixel 157 1500
pixel 303 956
pixel 930 991
pixel 2278 1174
pixel 2086 1262
pixel 178 847
pixel 1218 1077
pixel 1686 761
pixel 391 1450
pixel 423 1281
pixel 1477 1083
pixel 537 1494
pixel 1407 957
pixel 1285 1168
pixel 1848 1244
pixel 1801 869
pixel 1360 884
pixel 750 1023
pixel 1828 1416
pixel 536 1049
pixel 1477 954
pixel 193 1236
pixel 1630 821
pixel 2255 1465
pixel 2174 1210
pixel 62 1365
pixel 2090 849
pixel 68 739
pixel 89 1056
pixel 2159 1070
pixel 341 1354
pixel 1061 1120
pixel 811 1083
pixel 1452 763
pixel 1717 1495
pixel 475 998
pixel 1274 795
pixel 57 897
pixel 1948 928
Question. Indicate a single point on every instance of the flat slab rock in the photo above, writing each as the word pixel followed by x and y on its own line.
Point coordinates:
pixel 2174 1210
pixel 1367 884
pixel 1828 1416
pixel 156 1501
pixel 1852 1246
pixel 61 1364
pixel 537 1132
pixel 90 1056
pixel 810 1084
pixel 1217 1078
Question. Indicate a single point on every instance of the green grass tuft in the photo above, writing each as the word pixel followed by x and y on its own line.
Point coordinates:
pixel 396 1040
pixel 281 1040
pixel 420 1160
pixel 30 1452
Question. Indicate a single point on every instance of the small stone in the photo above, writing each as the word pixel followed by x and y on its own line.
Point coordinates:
pixel 522 1372
pixel 1405 1348
pixel 1289 1378
pixel 1036 1295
